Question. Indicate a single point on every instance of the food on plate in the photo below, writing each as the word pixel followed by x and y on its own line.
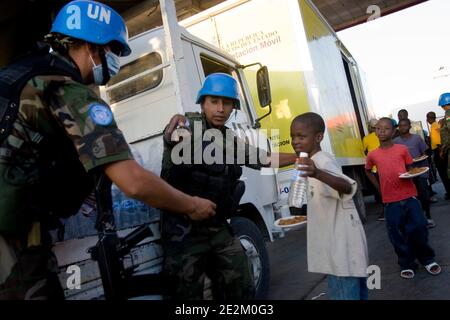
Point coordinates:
pixel 293 220
pixel 417 170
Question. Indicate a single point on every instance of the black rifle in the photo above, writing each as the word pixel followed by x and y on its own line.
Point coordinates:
pixel 119 283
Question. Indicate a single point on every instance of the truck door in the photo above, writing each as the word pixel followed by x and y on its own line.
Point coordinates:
pixel 357 95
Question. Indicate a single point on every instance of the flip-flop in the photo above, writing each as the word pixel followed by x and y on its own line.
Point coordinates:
pixel 407 274
pixel 433 268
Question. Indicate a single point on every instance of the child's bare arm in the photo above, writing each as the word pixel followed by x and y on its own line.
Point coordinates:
pixel 279 160
pixel 372 179
pixel 337 183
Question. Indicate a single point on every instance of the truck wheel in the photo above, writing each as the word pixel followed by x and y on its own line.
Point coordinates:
pixel 255 248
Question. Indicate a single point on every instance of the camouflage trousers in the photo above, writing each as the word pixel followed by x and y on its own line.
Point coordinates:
pixel 28 272
pixel 211 252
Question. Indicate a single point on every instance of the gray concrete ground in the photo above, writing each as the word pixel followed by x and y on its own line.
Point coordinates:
pixel 290 279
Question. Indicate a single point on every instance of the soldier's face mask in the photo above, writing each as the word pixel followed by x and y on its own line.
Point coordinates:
pixel 113 65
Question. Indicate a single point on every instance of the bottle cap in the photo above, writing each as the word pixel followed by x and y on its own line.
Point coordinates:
pixel 303 155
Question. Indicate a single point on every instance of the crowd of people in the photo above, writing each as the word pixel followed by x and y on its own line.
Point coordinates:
pixel 406 202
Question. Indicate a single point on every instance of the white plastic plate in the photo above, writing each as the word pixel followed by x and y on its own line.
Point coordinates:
pixel 277 222
pixel 408 175
pixel 420 158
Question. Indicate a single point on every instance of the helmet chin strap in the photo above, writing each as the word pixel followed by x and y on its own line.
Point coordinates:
pixel 105 70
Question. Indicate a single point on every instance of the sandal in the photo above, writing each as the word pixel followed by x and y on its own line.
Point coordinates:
pixel 433 268
pixel 407 274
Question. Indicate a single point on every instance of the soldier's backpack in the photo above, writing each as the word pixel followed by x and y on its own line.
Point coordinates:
pixel 14 212
pixel 16 75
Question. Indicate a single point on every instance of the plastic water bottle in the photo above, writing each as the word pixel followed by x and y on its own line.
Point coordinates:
pixel 299 185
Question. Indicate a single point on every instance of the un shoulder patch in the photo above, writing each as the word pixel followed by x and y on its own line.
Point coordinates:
pixel 100 114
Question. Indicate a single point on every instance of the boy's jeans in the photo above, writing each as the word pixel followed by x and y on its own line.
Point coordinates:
pixel 347 288
pixel 423 193
pixel 407 230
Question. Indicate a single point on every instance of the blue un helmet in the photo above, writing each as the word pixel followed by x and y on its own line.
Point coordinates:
pixel 93 22
pixel 444 99
pixel 220 85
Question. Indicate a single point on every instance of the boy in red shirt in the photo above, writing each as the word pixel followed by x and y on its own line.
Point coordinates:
pixel 406 224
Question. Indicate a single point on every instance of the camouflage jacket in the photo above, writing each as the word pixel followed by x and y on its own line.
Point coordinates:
pixel 217 181
pixel 445 131
pixel 63 131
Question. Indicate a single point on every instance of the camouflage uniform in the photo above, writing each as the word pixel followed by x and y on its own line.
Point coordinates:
pixel 445 138
pixel 194 249
pixel 45 173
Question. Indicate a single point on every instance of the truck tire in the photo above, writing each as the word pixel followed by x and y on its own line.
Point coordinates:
pixel 255 247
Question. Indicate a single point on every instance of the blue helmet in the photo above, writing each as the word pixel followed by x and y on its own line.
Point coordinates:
pixel 444 99
pixel 93 22
pixel 220 85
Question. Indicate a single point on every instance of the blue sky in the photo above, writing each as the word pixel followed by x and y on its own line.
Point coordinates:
pixel 402 53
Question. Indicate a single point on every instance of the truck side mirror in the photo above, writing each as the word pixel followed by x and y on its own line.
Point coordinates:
pixel 263 85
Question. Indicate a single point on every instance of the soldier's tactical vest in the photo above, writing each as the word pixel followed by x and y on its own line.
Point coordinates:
pixel 62 182
pixel 216 182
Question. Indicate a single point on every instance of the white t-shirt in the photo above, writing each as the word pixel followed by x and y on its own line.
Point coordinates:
pixel 336 239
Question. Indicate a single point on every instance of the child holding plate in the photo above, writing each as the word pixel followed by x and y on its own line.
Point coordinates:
pixel 417 148
pixel 406 224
